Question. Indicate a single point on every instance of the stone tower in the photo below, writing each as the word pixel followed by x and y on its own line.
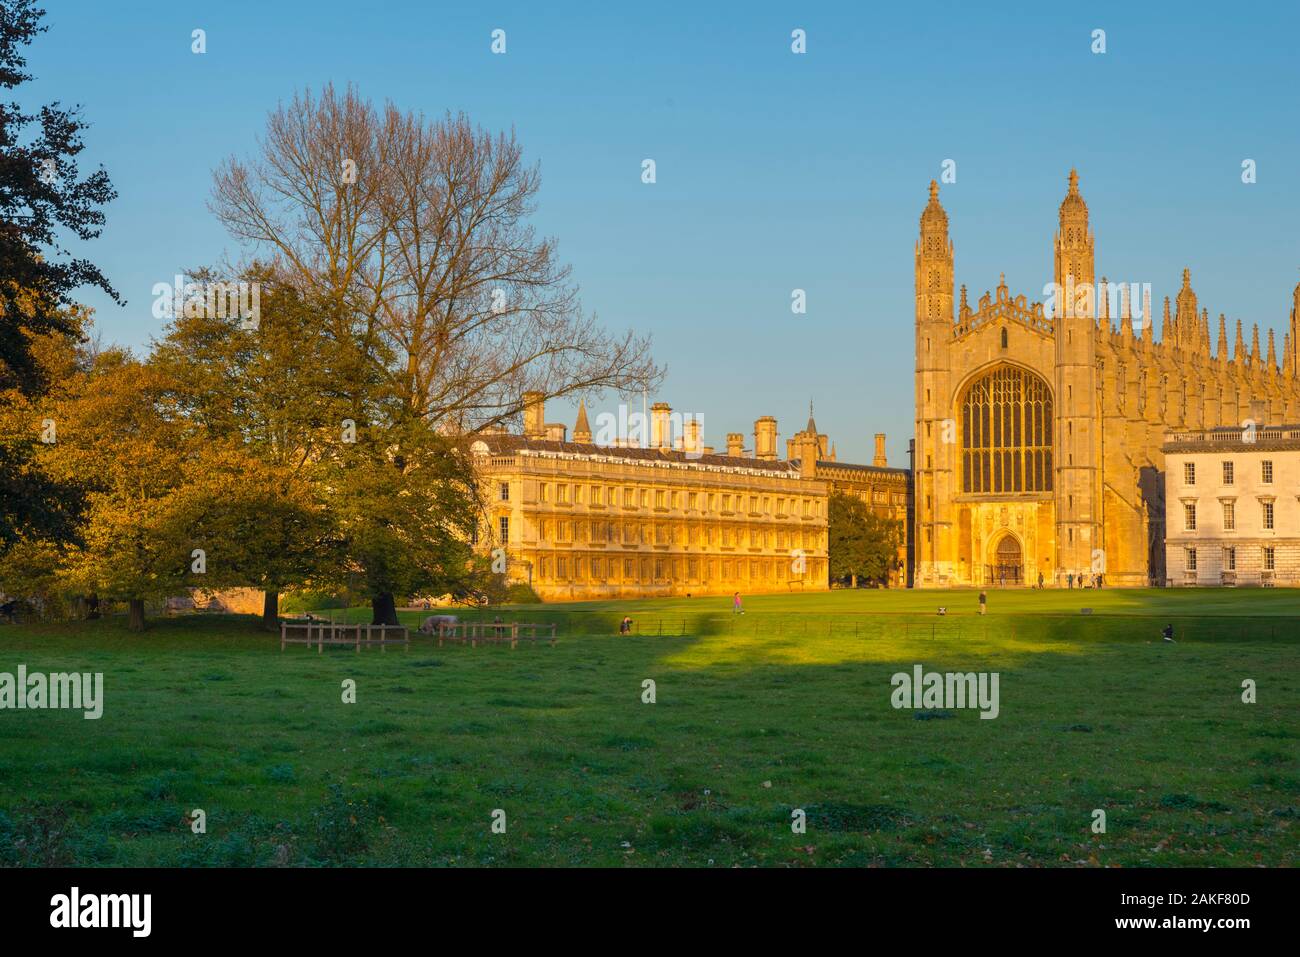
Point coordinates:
pixel 1078 478
pixel 936 446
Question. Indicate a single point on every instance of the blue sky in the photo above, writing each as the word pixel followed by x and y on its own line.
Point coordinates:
pixel 776 171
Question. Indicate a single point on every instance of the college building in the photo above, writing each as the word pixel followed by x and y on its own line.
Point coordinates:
pixel 1232 500
pixel 1040 438
pixel 668 516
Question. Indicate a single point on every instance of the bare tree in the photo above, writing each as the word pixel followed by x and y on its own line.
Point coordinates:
pixel 421 230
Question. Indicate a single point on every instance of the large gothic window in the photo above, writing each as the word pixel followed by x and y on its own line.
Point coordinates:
pixel 1007 433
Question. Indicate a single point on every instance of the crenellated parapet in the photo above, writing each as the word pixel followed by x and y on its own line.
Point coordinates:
pixel 999 307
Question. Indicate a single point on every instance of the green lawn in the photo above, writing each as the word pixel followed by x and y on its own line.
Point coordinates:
pixel 786 707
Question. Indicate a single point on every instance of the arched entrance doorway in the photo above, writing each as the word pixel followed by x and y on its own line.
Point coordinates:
pixel 1008 563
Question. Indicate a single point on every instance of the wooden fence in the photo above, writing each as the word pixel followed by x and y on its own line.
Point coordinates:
pixel 476 631
pixel 322 633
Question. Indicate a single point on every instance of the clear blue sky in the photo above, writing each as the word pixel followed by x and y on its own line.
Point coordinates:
pixel 775 171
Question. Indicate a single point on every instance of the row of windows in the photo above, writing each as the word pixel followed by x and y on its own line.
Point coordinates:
pixel 1268 563
pixel 562 493
pixel 577 568
pixel 643 534
pixel 1229 516
pixel 1229 472
pixel 876 496
pixel 637 533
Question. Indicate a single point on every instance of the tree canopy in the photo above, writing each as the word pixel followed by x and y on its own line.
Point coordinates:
pixel 860 543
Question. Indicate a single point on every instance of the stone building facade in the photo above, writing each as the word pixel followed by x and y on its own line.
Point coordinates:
pixel 582 521
pixel 1232 506
pixel 1039 432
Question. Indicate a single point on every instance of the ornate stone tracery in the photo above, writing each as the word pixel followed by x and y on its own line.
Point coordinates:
pixel 1006 431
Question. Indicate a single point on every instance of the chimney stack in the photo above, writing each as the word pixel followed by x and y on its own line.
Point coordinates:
pixel 735 444
pixel 765 438
pixel 808 455
pixel 880 461
pixel 692 444
pixel 661 431
pixel 535 415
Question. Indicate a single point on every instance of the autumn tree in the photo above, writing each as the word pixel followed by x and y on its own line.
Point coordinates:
pixel 33 506
pixel 115 443
pixel 267 389
pixel 860 543
pixel 42 195
pixel 415 237
pixel 423 229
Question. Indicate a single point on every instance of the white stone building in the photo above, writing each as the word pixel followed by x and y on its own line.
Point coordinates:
pixel 1232 506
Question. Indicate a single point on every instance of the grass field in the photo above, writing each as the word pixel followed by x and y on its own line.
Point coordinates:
pixel 787 707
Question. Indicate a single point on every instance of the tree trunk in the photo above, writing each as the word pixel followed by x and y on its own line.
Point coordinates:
pixel 854 579
pixel 92 606
pixel 384 609
pixel 136 617
pixel 271 610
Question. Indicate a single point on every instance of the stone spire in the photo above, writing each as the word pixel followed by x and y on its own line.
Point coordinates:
pixel 1254 344
pixel 1148 318
pixel 1203 332
pixel 1295 332
pixel 934 267
pixel 1222 352
pixel 581 429
pixel 1166 331
pixel 1239 347
pixel 1272 354
pixel 1103 307
pixel 1074 244
pixel 1185 312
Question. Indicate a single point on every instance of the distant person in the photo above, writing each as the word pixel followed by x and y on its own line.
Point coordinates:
pixel 984 603
pixel 1168 633
pixel 1069 580
pixel 625 626
pixel 1040 579
pixel 736 607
